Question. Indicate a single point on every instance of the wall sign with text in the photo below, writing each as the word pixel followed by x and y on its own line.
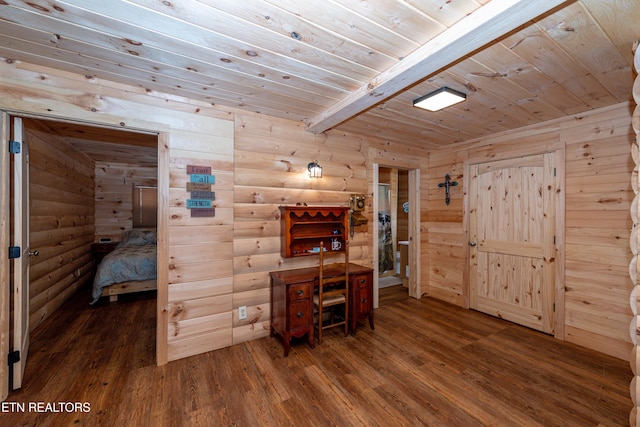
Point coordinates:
pixel 200 203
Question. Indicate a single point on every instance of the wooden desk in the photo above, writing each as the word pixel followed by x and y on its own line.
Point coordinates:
pixel 292 301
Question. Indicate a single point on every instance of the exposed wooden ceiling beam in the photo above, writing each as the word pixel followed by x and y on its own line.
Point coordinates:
pixel 480 28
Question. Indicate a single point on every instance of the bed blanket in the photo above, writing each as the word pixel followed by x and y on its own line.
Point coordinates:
pixel 124 264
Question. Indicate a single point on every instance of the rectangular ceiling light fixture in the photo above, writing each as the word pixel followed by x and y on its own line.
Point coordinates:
pixel 439 99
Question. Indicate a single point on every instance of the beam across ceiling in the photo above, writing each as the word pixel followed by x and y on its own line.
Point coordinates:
pixel 482 27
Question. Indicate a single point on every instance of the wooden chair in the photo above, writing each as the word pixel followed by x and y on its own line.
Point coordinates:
pixel 332 295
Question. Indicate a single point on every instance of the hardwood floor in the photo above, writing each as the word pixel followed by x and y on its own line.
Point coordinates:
pixel 426 363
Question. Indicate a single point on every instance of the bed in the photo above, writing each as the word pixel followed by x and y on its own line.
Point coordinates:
pixel 131 267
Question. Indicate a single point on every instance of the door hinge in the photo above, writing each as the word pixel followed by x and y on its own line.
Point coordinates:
pixel 14 252
pixel 14 147
pixel 14 357
pixel 554 171
pixel 554 307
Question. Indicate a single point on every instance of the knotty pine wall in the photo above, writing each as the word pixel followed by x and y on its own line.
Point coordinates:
pixel 61 220
pixel 598 195
pixel 271 157
pixel 270 165
pixel 199 258
pixel 195 274
pixel 114 195
pixel 209 267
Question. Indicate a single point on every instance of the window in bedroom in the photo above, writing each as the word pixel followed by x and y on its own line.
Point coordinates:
pixel 145 206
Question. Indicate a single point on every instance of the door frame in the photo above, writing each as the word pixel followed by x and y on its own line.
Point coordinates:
pixel 414 231
pixel 21 239
pixel 5 241
pixel 559 165
pixel 162 300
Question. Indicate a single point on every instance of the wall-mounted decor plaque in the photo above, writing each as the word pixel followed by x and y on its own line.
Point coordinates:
pixel 200 204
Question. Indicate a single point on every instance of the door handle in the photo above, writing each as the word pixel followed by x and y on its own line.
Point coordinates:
pixel 472 244
pixel 34 253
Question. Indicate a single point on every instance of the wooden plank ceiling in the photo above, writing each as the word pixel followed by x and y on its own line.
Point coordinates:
pixel 352 65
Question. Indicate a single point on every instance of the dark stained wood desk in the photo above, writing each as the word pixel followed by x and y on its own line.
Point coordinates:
pixel 292 301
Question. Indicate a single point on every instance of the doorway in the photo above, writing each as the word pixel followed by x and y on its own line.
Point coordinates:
pixel 396 229
pixel 65 219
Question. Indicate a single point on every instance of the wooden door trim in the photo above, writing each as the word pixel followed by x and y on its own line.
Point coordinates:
pixel 5 234
pixel 559 323
pixel 559 163
pixel 21 226
pixel 162 296
pixel 414 229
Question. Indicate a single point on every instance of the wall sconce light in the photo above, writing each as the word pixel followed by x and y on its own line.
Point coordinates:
pixel 439 99
pixel 315 170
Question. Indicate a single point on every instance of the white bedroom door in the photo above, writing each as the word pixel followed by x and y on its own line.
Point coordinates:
pixel 21 259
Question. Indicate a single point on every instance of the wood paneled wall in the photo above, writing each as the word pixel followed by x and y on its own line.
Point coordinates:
pixel 61 220
pixel 443 242
pixel 114 195
pixel 598 200
pixel 270 166
pixel 598 197
pixel 210 266
pixel 195 282
pixel 200 261
pixel 271 158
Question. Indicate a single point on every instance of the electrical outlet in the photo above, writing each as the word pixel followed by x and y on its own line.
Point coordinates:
pixel 242 312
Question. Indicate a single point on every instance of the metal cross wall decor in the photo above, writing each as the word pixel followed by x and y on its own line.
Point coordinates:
pixel 447 184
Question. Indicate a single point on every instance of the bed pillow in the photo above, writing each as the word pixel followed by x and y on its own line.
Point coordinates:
pixel 139 237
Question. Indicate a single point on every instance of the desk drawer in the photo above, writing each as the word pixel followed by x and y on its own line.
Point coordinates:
pixel 299 314
pixel 362 293
pixel 360 281
pixel 363 302
pixel 300 291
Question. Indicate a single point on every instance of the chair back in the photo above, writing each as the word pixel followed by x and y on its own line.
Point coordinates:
pixel 333 291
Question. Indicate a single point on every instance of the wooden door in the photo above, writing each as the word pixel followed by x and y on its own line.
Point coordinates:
pixel 511 240
pixel 21 263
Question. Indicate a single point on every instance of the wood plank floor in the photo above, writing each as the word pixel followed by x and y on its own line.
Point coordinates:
pixel 426 363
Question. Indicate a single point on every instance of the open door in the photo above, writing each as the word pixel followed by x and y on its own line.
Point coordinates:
pixel 20 254
pixel 5 242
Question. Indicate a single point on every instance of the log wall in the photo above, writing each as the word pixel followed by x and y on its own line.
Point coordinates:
pixel 270 167
pixel 208 267
pixel 598 197
pixel 114 195
pixel 61 220
pixel 195 282
pixel 199 258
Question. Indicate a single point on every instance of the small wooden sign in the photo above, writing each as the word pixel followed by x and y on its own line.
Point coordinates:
pixel 199 204
pixel 201 178
pixel 207 195
pixel 203 170
pixel 199 213
pixel 198 186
